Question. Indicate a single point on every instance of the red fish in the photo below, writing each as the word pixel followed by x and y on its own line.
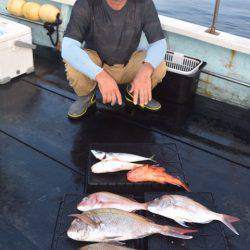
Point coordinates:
pixel 154 174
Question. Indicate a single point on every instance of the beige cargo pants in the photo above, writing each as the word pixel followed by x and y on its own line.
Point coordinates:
pixel 122 74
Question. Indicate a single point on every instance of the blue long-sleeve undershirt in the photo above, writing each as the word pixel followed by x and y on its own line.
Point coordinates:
pixel 73 54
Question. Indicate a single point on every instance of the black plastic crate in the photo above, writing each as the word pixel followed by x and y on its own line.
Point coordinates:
pixel 177 88
pixel 209 236
pixel 181 81
pixel 68 206
pixel 166 154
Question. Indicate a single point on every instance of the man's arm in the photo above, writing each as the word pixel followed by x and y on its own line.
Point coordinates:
pixel 73 54
pixel 142 84
pixel 79 59
pixel 73 38
pixel 156 53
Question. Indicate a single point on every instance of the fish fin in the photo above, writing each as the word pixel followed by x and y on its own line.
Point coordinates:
pixel 117 243
pixel 143 205
pixel 157 168
pixel 84 218
pixel 113 238
pixel 228 220
pixel 177 232
pixel 156 165
pixel 182 223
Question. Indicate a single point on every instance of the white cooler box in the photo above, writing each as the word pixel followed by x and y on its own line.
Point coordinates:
pixel 16 55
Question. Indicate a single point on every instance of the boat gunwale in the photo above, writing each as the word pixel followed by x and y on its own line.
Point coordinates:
pixel 198 32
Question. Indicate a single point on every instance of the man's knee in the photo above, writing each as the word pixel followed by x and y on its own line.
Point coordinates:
pixel 93 55
pixel 81 84
pixel 71 73
pixel 159 73
pixel 133 66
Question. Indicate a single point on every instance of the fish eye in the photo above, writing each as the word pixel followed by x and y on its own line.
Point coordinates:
pixel 85 198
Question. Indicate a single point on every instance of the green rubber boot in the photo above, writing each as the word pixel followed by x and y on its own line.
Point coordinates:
pixel 152 105
pixel 80 107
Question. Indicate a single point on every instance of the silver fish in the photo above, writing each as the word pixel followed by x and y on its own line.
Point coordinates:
pixel 109 225
pixel 183 209
pixel 109 200
pixel 119 156
pixel 105 246
pixel 110 166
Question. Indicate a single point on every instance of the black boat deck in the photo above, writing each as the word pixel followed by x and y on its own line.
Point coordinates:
pixel 43 155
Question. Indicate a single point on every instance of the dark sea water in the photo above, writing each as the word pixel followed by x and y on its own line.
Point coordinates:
pixel 234 15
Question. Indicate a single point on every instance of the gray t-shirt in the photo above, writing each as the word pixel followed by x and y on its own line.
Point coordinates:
pixel 113 34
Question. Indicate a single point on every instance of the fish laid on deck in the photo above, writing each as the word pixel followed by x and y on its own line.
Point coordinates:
pixel 105 246
pixel 150 173
pixel 108 225
pixel 113 166
pixel 183 209
pixel 101 155
pixel 109 200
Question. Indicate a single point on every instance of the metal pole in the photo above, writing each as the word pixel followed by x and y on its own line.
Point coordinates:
pixel 212 29
pixel 246 84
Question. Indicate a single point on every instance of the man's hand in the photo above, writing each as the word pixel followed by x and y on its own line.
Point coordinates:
pixel 142 85
pixel 109 89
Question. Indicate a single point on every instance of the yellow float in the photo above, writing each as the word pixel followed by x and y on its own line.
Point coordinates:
pixel 48 13
pixel 15 7
pixel 31 11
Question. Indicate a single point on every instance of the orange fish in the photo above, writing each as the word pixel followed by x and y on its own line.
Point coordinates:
pixel 154 174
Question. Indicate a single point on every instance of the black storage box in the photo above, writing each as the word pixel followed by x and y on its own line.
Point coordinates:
pixel 181 81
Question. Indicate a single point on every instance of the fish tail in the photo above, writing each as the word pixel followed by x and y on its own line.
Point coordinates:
pixel 144 206
pixel 176 232
pixel 228 220
pixel 140 206
pixel 175 180
pixel 152 158
pixel 185 186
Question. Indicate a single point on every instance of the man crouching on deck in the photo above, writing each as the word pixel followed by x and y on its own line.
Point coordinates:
pixel 111 30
